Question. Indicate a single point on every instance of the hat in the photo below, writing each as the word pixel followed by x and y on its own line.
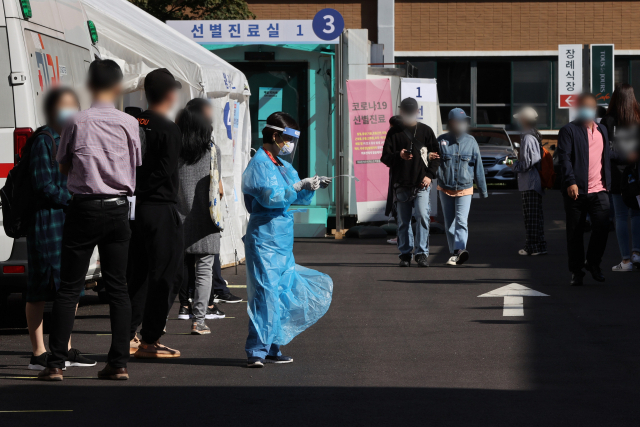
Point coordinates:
pixel 458 114
pixel 526 113
pixel 160 80
pixel 409 105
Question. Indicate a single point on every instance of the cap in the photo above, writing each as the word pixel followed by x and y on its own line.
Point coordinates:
pixel 458 114
pixel 409 105
pixel 526 113
pixel 160 79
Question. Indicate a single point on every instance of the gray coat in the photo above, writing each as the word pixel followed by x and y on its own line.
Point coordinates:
pixel 201 236
pixel 527 165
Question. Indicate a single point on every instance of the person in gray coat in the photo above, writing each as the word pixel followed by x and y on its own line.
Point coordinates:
pixel 201 235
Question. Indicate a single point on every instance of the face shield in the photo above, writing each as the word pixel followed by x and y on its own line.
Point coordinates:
pixel 290 138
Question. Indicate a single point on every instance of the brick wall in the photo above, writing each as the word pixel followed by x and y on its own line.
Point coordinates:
pixel 424 25
pixel 357 14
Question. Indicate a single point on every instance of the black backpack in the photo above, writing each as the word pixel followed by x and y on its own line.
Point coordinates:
pixel 19 201
pixel 631 187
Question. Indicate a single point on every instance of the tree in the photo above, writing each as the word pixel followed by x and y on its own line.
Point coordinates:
pixel 166 10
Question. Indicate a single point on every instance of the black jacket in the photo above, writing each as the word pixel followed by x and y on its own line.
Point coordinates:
pixel 157 179
pixel 573 152
pixel 409 173
pixel 624 140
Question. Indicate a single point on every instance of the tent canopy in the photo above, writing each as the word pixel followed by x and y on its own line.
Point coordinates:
pixel 141 43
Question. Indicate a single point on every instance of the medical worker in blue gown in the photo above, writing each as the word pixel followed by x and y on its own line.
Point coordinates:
pixel 284 299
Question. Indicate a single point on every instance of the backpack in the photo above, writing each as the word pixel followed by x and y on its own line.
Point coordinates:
pixel 545 167
pixel 19 201
pixel 630 187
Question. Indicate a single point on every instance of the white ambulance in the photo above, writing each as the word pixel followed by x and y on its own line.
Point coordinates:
pixel 43 43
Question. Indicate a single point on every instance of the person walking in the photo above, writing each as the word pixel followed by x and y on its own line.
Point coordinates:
pixel 99 150
pixel 44 232
pixel 529 182
pixel 405 151
pixel 200 170
pixel 585 162
pixel 623 126
pixel 284 298
pixel 157 242
pixel 460 164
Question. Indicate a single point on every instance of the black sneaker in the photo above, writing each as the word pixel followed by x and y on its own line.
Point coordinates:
pixel 38 363
pixel 421 260
pixel 77 359
pixel 463 256
pixel 226 298
pixel 405 261
pixel 185 313
pixel 278 359
pixel 214 313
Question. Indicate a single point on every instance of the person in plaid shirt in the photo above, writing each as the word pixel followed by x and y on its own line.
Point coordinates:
pixel 44 233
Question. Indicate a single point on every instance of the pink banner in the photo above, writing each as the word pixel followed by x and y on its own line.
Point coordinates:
pixel 369 112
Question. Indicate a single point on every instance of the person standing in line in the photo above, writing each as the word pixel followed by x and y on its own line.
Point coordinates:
pixel 99 151
pixel 198 156
pixel 623 126
pixel 585 161
pixel 405 152
pixel 157 241
pixel 460 164
pixel 44 233
pixel 529 182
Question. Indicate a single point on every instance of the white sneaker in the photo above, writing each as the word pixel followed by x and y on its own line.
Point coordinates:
pixel 523 252
pixel 623 267
pixel 635 260
pixel 452 260
pixel 393 241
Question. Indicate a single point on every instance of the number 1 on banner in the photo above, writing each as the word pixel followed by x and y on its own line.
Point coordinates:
pixel 419 96
pixel 300 31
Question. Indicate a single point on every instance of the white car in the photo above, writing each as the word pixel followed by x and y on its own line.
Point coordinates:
pixel 43 43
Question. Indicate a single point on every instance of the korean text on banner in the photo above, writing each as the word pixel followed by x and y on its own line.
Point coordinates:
pixel 569 74
pixel 369 112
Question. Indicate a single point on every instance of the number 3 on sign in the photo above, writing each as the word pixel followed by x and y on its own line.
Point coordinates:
pixel 328 24
pixel 330 27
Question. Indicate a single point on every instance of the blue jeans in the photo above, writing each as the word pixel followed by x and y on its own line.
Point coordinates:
pixel 622 214
pixel 421 209
pixel 456 212
pixel 256 348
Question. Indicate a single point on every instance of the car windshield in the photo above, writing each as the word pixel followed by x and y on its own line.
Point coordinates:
pixel 490 138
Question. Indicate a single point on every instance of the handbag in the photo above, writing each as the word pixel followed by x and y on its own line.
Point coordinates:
pixel 215 208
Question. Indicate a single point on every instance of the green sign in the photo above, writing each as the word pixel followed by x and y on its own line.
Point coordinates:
pixel 602 71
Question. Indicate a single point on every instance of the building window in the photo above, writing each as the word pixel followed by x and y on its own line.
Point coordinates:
pixel 532 86
pixel 493 105
pixel 454 86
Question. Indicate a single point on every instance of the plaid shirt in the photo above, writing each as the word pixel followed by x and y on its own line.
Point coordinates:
pixel 103 146
pixel 44 235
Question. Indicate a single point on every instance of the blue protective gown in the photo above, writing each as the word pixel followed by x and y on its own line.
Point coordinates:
pixel 284 299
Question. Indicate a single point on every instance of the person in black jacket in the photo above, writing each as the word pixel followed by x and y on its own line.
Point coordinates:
pixel 406 153
pixel 585 162
pixel 156 252
pixel 623 125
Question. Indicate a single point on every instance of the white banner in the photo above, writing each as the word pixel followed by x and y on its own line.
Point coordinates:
pixel 569 74
pixel 425 91
pixel 249 32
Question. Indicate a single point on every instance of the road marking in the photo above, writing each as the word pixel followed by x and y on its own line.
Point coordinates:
pixel 513 294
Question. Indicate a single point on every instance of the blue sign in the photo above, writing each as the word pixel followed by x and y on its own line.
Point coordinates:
pixel 227 120
pixel 328 24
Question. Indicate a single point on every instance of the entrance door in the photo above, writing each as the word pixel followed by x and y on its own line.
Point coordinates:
pixel 290 93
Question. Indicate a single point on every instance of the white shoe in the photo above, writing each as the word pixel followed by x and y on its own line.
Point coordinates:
pixel 635 260
pixel 523 252
pixel 453 260
pixel 393 241
pixel 623 267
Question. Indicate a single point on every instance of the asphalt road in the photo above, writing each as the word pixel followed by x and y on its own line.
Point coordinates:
pixel 397 347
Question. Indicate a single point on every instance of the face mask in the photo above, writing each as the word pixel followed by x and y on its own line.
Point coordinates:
pixel 461 127
pixel 65 114
pixel 409 120
pixel 287 148
pixel 587 114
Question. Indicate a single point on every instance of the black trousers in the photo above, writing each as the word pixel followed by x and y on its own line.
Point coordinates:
pixel 91 223
pixel 218 285
pixel 597 206
pixel 155 276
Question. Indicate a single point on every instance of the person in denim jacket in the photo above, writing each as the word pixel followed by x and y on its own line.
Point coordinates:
pixel 460 164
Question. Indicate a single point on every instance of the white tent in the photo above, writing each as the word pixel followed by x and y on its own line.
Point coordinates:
pixel 140 43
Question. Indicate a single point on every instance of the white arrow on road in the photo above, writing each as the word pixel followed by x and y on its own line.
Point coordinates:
pixel 513 298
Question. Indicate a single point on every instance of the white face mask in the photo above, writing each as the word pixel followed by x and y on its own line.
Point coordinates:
pixel 409 120
pixel 287 148
pixel 65 114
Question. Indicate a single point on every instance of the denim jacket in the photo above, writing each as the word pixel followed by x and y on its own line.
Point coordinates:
pixel 460 163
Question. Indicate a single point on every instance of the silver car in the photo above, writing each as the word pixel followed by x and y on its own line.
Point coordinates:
pixel 495 147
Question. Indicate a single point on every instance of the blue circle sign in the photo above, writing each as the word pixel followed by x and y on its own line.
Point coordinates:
pixel 328 24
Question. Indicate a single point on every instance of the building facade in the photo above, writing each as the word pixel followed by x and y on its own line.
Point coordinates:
pixel 489 57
